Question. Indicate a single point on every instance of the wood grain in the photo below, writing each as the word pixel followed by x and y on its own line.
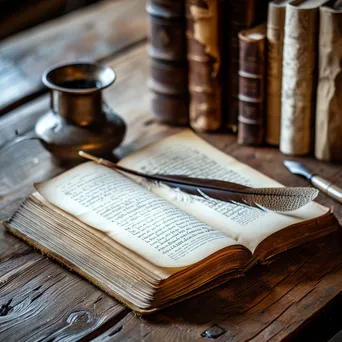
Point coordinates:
pixel 93 33
pixel 272 303
pixel 269 304
pixel 35 13
pixel 45 301
pixel 39 299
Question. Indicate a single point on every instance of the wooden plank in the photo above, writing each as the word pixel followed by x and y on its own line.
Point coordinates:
pixel 45 301
pixel 269 304
pixel 23 119
pixel 93 33
pixel 10 248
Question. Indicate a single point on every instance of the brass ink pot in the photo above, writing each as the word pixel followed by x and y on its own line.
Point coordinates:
pixel 78 118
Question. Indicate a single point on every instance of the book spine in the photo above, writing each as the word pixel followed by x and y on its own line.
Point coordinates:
pixel 299 76
pixel 240 15
pixel 328 139
pixel 168 66
pixel 275 40
pixel 251 89
pixel 204 61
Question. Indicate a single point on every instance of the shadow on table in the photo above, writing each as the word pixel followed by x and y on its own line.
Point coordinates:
pixel 285 293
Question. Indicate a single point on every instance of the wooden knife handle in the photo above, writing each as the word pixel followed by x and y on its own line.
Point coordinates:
pixel 327 187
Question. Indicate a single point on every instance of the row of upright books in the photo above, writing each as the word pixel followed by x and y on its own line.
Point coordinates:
pixel 271 71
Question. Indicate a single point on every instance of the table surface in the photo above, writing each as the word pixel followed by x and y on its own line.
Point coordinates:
pixel 39 300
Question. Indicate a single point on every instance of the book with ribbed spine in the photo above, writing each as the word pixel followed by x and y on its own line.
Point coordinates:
pixel 238 15
pixel 252 74
pixel 168 79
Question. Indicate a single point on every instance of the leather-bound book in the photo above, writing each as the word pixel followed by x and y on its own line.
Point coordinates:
pixel 328 140
pixel 167 50
pixel 238 15
pixel 166 30
pixel 169 84
pixel 275 40
pixel 204 61
pixel 252 85
pixel 299 76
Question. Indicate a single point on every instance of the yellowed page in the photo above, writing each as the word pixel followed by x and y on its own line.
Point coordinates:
pixel 131 215
pixel 187 154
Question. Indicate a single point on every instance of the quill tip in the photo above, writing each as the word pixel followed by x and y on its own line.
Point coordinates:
pixel 89 156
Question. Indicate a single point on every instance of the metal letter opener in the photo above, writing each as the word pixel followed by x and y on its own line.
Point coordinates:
pixel 318 182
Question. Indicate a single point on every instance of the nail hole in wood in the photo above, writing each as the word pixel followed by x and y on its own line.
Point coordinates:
pixel 214 332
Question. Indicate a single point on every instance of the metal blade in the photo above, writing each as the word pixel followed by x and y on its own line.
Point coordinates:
pixel 297 168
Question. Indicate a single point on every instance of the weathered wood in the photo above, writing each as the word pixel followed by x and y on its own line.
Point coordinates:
pixel 46 301
pixel 94 33
pixel 271 303
pixel 23 119
pixel 35 13
pixel 10 248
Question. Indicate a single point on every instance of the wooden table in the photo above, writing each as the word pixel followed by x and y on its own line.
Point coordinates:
pixel 296 297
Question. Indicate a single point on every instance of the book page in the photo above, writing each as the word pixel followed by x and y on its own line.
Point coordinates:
pixel 131 215
pixel 187 154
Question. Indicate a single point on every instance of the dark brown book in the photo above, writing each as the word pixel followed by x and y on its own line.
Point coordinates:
pixel 167 50
pixel 151 246
pixel 252 85
pixel 238 15
pixel 204 60
pixel 169 84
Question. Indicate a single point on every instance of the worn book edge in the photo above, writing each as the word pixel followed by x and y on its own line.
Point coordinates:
pixel 72 267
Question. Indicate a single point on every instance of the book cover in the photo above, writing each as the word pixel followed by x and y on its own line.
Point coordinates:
pixel 252 74
pixel 204 60
pixel 238 15
pixel 167 50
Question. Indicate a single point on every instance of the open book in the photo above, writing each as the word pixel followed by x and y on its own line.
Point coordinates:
pixel 149 245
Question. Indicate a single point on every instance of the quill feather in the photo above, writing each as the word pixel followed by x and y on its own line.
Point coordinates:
pixel 280 199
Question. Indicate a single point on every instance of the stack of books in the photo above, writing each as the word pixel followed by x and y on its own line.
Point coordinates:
pixel 269 70
pixel 304 77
